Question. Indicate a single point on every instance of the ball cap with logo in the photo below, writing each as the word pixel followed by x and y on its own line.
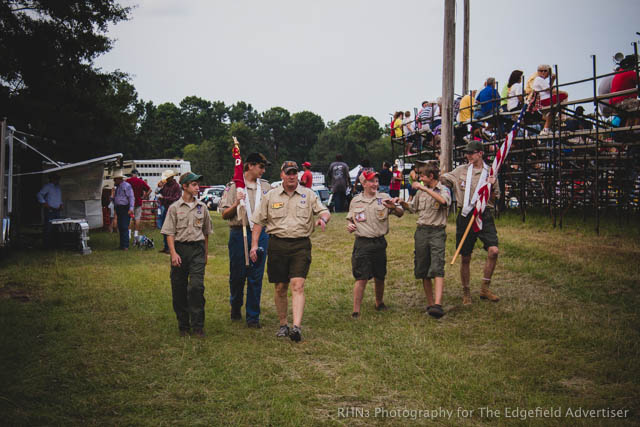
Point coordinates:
pixel 289 165
pixel 473 146
pixel 189 177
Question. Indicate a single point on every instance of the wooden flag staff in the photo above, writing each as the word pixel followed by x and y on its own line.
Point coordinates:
pixel 242 210
pixel 464 237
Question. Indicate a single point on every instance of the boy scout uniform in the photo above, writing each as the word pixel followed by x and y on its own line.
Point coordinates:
pixel 289 223
pixel 238 271
pixel 430 236
pixel 371 217
pixel 189 223
pixel 488 235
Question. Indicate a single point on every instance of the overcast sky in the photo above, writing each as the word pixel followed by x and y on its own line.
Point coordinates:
pixel 341 57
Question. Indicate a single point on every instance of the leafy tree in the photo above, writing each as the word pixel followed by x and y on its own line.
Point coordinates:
pixel 303 132
pixel 273 130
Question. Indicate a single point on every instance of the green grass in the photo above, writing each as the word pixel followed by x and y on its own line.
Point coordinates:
pixel 93 339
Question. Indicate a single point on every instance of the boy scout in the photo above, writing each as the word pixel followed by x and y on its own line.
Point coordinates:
pixel 287 213
pixel 431 202
pixel 369 219
pixel 256 189
pixel 464 180
pixel 187 227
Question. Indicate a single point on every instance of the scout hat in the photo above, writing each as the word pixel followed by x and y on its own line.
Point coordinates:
pixel 168 174
pixel 289 165
pixel 369 174
pixel 189 177
pixel 257 158
pixel 473 146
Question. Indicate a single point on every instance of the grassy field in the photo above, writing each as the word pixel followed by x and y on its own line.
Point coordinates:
pixel 93 340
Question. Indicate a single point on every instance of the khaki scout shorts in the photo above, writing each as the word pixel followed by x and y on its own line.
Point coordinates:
pixel 288 258
pixel 369 258
pixel 488 235
pixel 429 251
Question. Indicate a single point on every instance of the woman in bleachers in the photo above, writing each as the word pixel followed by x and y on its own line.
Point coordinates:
pixel 514 90
pixel 548 96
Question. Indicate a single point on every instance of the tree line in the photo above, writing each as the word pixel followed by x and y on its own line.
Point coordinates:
pixel 49 86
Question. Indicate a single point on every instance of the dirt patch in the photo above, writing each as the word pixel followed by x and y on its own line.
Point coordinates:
pixel 16 292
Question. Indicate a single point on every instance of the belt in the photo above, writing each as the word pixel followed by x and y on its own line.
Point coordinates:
pixel 288 239
pixel 198 242
pixel 370 238
pixel 236 227
pixel 437 227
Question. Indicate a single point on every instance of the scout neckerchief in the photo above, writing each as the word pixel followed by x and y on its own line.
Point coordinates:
pixel 468 205
pixel 256 203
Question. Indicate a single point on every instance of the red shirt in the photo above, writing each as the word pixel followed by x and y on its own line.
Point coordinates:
pixel 396 183
pixel 307 179
pixel 623 81
pixel 139 188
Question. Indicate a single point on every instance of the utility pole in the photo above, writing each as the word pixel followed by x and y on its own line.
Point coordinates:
pixel 3 132
pixel 448 74
pixel 465 50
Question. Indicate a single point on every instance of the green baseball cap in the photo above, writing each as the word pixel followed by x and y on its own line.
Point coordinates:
pixel 189 177
pixel 473 146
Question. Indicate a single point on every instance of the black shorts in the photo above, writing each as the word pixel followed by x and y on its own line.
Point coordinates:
pixel 369 258
pixel 288 258
pixel 488 235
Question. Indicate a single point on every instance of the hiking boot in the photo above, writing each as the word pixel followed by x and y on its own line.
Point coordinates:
pixel 283 331
pixel 485 293
pixel 199 333
pixel 295 334
pixel 236 313
pixel 466 296
pixel 435 311
pixel 355 315
pixel 381 307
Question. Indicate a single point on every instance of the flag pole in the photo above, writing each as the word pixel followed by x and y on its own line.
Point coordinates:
pixel 464 237
pixel 242 211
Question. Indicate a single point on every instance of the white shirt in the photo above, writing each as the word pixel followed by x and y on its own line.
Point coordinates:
pixel 539 85
pixel 514 90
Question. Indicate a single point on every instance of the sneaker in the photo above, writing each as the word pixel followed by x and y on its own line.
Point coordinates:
pixel 295 334
pixel 436 311
pixel 355 314
pixel 283 331
pixel 381 307
pixel 253 325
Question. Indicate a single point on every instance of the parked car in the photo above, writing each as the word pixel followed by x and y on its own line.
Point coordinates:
pixel 211 196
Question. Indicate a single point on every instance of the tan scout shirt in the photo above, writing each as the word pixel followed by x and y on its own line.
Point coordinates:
pixel 457 179
pixel 430 212
pixel 229 198
pixel 370 216
pixel 188 222
pixel 289 216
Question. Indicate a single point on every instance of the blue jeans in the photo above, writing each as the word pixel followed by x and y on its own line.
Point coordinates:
pixel 239 273
pixel 49 214
pixel 383 189
pixel 160 223
pixel 339 199
pixel 123 225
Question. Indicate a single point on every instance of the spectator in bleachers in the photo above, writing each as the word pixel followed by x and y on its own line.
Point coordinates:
pixel 487 99
pixel 384 178
pixel 397 124
pixel 578 122
pixel 542 86
pixel 408 131
pixel 456 107
pixel 437 114
pixel 604 88
pixel 627 79
pixel 514 87
pixel 425 115
pixel 467 104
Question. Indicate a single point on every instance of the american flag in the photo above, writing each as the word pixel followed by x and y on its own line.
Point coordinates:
pixel 485 190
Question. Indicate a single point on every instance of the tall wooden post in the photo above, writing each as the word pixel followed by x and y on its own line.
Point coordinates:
pixel 448 74
pixel 3 133
pixel 465 50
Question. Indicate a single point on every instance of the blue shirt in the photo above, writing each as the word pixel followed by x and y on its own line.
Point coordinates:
pixel 124 195
pixel 51 195
pixel 485 95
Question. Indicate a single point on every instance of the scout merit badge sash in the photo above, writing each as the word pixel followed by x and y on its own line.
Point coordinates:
pixel 256 203
pixel 468 205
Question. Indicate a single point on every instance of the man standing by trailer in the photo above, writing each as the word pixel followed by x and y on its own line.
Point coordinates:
pixel 50 197
pixel 141 191
pixel 187 227
pixel 287 213
pixel 239 272
pixel 465 180
pixel 369 219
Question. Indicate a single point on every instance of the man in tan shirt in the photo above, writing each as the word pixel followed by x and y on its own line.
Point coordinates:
pixel 369 220
pixel 255 190
pixel 287 212
pixel 432 203
pixel 464 180
pixel 187 227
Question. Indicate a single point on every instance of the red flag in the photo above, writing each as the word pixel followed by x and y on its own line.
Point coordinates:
pixel 238 173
